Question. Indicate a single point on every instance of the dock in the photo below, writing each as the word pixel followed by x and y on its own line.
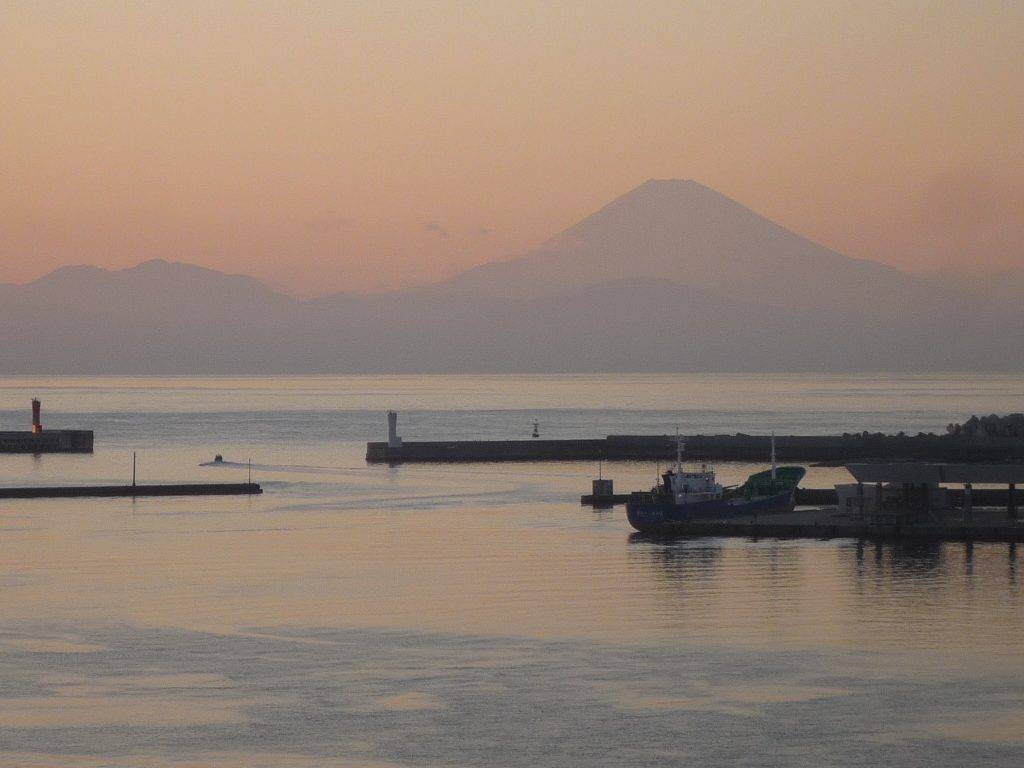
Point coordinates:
pixel 173 489
pixel 902 500
pixel 985 525
pixel 825 497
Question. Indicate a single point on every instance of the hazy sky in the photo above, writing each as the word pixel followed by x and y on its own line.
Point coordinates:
pixel 350 146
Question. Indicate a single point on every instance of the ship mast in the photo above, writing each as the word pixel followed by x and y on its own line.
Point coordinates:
pixel 679 453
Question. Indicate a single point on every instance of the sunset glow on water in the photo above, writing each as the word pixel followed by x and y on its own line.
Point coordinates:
pixel 419 614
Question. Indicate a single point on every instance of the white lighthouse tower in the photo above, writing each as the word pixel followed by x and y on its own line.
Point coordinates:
pixel 394 441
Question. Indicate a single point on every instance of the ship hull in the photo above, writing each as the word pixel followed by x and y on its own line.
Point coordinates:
pixel 650 514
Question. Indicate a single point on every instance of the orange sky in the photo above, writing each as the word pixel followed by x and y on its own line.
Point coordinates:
pixel 353 146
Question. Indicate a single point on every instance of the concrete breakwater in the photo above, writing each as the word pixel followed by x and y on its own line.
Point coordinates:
pixel 47 441
pixel 739 447
pixel 176 489
pixel 41 440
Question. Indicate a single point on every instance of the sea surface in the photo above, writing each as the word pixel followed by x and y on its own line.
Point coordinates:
pixel 477 615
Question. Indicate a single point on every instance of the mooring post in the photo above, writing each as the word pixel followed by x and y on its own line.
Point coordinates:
pixel 133 469
pixel 1011 501
pixel 860 500
pixel 968 503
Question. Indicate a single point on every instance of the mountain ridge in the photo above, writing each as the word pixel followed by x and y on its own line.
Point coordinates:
pixel 671 276
pixel 664 227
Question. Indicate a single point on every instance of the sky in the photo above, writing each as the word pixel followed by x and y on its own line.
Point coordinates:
pixel 347 146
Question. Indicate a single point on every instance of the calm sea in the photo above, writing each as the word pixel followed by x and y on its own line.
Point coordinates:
pixel 477 615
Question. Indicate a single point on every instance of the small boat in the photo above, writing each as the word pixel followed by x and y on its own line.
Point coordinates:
pixel 685 495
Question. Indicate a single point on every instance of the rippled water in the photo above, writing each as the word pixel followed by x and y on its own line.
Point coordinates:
pixel 477 614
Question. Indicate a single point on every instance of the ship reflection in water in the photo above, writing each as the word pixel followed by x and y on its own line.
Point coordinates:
pixel 903 595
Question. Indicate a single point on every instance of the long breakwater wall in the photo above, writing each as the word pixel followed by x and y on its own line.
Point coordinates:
pixel 739 447
pixel 171 489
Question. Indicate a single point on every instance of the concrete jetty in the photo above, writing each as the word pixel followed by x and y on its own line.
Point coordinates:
pixel 829 449
pixel 488 450
pixel 46 441
pixel 172 489
pixel 51 441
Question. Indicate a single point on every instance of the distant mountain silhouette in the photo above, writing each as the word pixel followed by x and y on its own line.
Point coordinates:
pixel 684 232
pixel 671 276
pixel 176 282
pixel 154 317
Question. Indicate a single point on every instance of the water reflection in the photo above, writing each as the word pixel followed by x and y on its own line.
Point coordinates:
pixel 671 559
pixel 935 560
pixel 911 594
pixel 451 614
pixel 304 696
pixel 902 559
pixel 1011 558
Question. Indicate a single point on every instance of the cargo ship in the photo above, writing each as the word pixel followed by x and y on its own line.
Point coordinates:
pixel 685 495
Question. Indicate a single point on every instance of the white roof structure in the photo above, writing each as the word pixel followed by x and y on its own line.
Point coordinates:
pixel 933 474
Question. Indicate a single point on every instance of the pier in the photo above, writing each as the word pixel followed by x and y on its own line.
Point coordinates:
pixel 987 525
pixel 173 489
pixel 828 497
pixel 46 441
pixel 908 500
pixel 828 449
pixel 51 441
